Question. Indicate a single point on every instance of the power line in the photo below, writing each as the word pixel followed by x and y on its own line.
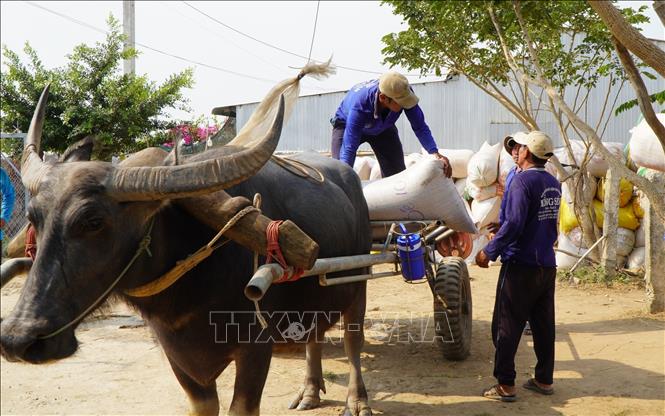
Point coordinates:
pixel 277 47
pixel 316 19
pixel 79 22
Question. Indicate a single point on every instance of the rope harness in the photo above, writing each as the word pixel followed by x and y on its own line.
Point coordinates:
pixel 275 252
pixel 144 245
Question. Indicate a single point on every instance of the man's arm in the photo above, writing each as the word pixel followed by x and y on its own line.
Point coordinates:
pixel 517 207
pixel 352 136
pixel 420 128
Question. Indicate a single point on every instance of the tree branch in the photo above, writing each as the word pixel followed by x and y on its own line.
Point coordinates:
pixel 630 37
pixel 641 91
pixel 659 7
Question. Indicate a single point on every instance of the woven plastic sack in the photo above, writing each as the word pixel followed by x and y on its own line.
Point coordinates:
pixel 563 260
pixel 625 241
pixel 597 166
pixel 375 173
pixel 627 218
pixel 362 168
pixel 486 212
pixel 625 191
pixel 458 158
pixel 636 258
pixel 567 219
pixel 640 237
pixel 506 163
pixel 460 184
pixel 411 159
pixel 421 192
pixel 483 166
pixel 645 149
pixel 481 194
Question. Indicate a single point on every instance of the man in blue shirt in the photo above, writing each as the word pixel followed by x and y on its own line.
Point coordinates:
pixel 369 112
pixel 525 289
pixel 7 200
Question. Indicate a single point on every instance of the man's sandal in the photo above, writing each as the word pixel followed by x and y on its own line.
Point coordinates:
pixel 533 386
pixel 495 394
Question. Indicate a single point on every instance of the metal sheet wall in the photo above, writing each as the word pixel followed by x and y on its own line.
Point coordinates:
pixel 460 115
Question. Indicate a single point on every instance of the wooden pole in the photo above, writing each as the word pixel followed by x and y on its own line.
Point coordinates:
pixel 654 260
pixel 610 222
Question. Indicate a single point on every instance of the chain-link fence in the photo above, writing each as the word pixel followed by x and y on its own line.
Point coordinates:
pixel 21 198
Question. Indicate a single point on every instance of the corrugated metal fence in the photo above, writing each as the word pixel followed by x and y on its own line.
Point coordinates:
pixel 460 115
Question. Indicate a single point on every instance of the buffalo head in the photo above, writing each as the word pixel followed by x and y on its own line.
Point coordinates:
pixel 90 217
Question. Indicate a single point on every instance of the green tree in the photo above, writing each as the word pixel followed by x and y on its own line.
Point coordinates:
pixel 89 96
pixel 460 36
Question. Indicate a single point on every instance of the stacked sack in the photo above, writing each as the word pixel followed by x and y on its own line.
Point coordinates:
pixel 481 184
pixel 570 235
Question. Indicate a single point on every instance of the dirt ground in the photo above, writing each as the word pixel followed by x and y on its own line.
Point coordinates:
pixel 610 361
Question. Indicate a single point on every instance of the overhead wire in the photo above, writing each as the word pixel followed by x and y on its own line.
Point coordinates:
pixel 79 22
pixel 316 19
pixel 279 48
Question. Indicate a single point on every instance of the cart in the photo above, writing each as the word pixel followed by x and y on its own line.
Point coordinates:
pixel 447 278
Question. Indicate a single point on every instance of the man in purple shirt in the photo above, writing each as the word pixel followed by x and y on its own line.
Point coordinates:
pixel 368 114
pixel 525 289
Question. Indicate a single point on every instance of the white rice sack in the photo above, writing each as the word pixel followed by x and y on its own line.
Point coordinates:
pixel 362 168
pixel 639 237
pixel 411 159
pixel 625 241
pixel 458 158
pixel 460 184
pixel 575 236
pixel 419 193
pixel 645 149
pixel 568 195
pixel 486 212
pixel 483 166
pixel 564 261
pixel 636 258
pixel 506 163
pixel 597 166
pixel 481 194
pixel 375 173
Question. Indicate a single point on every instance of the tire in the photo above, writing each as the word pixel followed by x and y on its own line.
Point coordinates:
pixel 453 323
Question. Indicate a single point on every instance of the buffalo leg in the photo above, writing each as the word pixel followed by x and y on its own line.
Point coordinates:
pixel 354 337
pixel 308 396
pixel 252 364
pixel 203 400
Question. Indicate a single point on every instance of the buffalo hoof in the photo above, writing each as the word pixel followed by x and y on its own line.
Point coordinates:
pixel 307 398
pixel 357 408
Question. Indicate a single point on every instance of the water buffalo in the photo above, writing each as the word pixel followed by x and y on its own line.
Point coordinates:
pixel 92 217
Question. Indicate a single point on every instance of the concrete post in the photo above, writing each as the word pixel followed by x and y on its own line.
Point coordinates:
pixel 128 29
pixel 655 249
pixel 610 222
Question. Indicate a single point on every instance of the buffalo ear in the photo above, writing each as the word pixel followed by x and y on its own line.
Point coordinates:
pixel 79 151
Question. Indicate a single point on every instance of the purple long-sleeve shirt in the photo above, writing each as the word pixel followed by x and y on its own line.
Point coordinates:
pixel 359 111
pixel 529 230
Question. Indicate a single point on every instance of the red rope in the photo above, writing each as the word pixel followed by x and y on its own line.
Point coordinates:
pixel 275 252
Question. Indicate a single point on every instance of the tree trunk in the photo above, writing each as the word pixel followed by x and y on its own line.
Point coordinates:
pixel 659 7
pixel 630 37
pixel 610 222
pixel 654 260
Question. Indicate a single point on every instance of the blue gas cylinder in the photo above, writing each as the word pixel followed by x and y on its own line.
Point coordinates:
pixel 411 255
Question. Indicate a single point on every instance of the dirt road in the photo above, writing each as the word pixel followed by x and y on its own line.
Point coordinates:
pixel 610 361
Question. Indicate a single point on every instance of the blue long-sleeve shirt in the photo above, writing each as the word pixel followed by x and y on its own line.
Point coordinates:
pixel 7 197
pixel 529 230
pixel 359 111
pixel 509 180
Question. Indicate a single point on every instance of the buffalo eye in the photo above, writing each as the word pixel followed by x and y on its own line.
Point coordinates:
pixel 93 224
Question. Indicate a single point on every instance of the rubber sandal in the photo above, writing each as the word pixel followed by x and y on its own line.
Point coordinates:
pixel 531 385
pixel 494 394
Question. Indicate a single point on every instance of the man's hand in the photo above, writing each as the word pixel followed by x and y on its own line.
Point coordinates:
pixel 482 260
pixel 493 227
pixel 447 168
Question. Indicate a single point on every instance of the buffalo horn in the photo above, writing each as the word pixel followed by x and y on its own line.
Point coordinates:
pixel 197 178
pixel 33 169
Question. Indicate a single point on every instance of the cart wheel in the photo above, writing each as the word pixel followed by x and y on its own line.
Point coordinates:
pixel 452 308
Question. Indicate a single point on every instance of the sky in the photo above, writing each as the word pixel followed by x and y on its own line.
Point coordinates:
pixel 229 67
